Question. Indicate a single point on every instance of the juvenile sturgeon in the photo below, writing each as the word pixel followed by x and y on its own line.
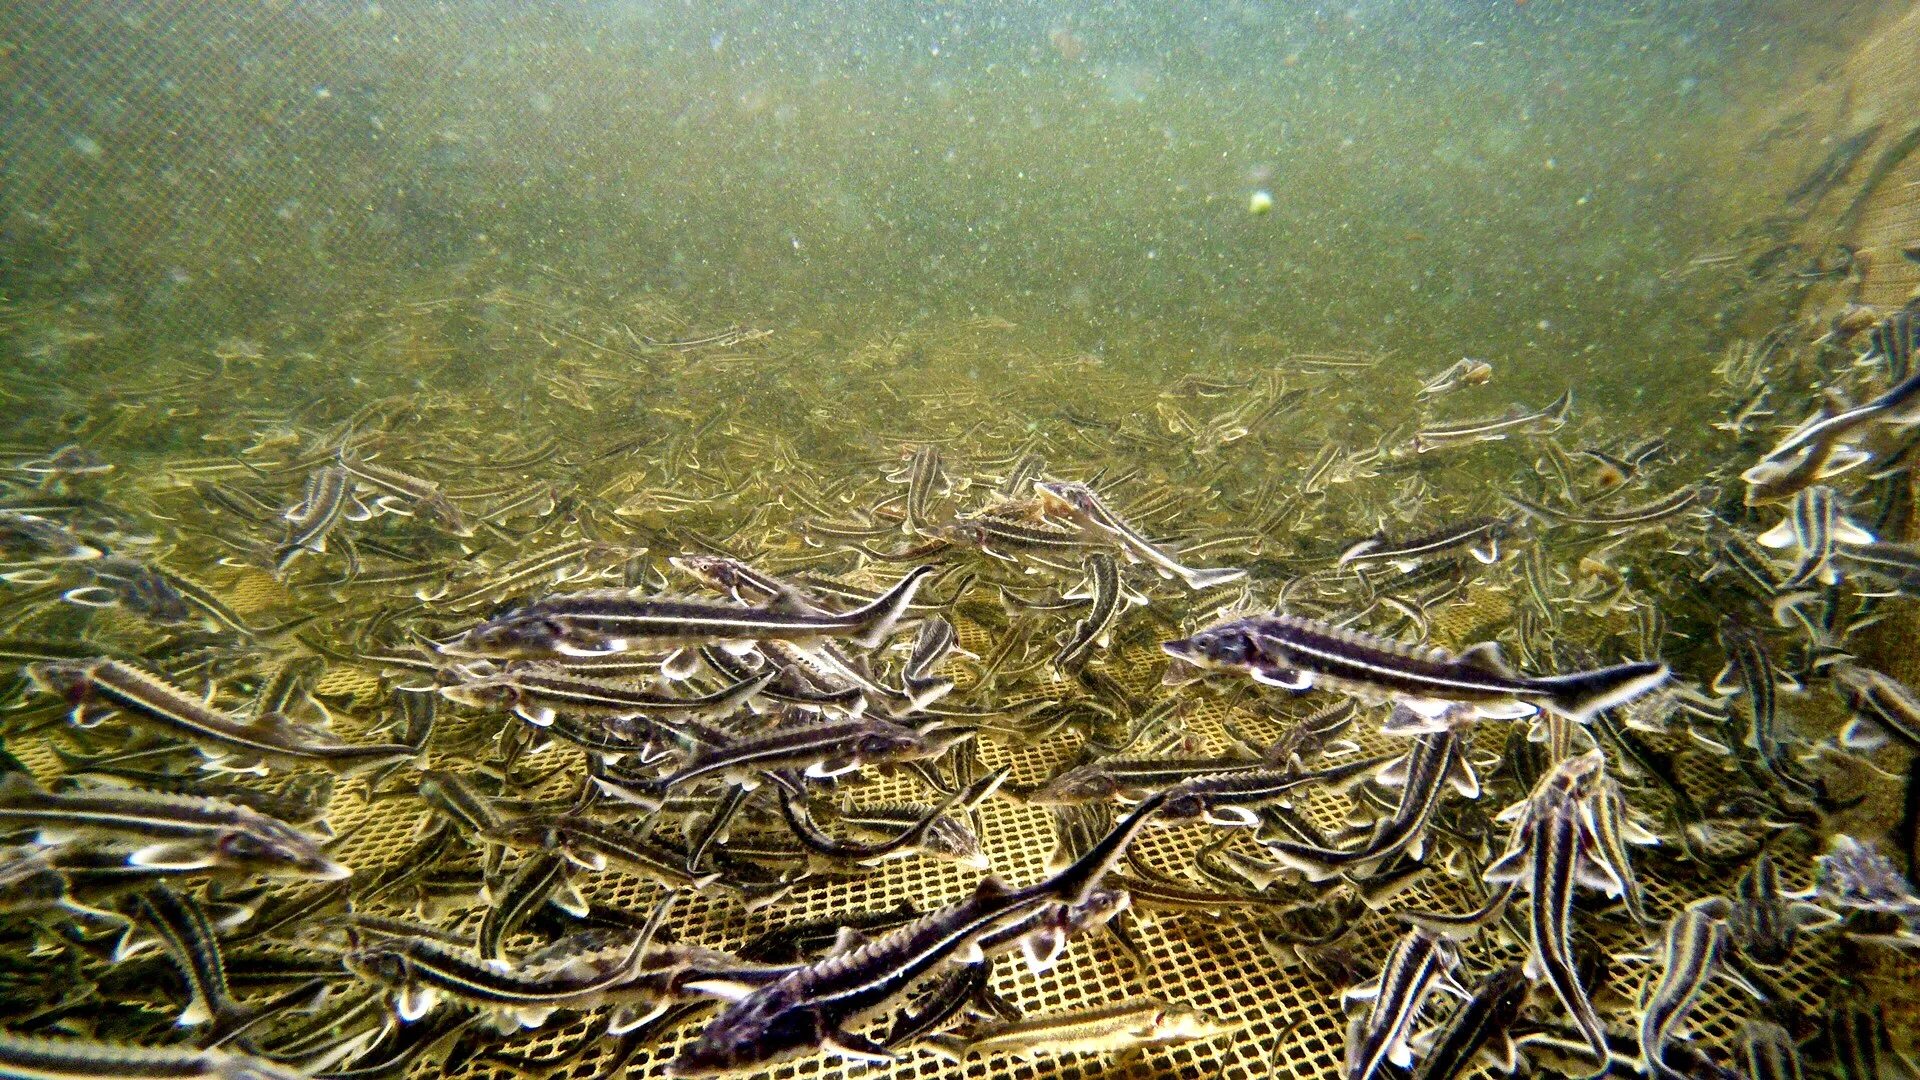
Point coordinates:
pixel 1550 418
pixel 818 750
pixel 812 1007
pixel 1106 596
pixel 1816 526
pixel 1692 952
pixel 1481 535
pixel 537 695
pixel 601 621
pixel 101 685
pixel 932 644
pixel 329 490
pixel 1552 848
pixel 166 832
pixel 1298 653
pixel 1438 760
pixel 1145 1022
pixel 1420 963
pixel 36 1058
pixel 1079 502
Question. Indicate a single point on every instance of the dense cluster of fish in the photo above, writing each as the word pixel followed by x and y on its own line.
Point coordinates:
pixel 632 657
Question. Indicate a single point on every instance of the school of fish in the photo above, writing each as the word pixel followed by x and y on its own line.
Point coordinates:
pixel 639 629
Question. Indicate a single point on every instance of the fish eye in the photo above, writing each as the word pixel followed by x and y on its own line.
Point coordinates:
pixel 239 845
pixel 1226 648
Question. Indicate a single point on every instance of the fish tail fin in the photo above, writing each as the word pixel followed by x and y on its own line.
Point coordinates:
pixel 1561 408
pixel 879 618
pixel 1582 694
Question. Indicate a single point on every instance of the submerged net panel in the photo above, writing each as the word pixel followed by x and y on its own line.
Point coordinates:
pixel 1871 205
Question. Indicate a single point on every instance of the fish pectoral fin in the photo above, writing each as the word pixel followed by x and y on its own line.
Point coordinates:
pixel 568 899
pixel 1232 817
pixel 1843 459
pixel 1284 677
pixel 627 1017
pixel 1846 532
pixel 856 1046
pixel 1779 536
pixel 723 988
pixel 831 767
pixel 1042 948
pixel 413 1002
pixel 174 856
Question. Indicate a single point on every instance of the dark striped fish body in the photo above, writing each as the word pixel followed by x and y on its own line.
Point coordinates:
pixel 423 495
pixel 1478 1025
pixel 1767 1051
pixel 1881 706
pixel 1816 527
pixel 1691 953
pixel 1892 341
pixel 329 489
pixel 1230 798
pixel 226 740
pixel 924 479
pixel 421 972
pixel 537 695
pixel 1298 653
pixel 190 938
pixel 597 622
pixel 794 684
pixel 1764 920
pixel 1079 502
pixel 1550 418
pixel 811 1007
pixel 166 832
pixel 1131 778
pixel 33 1058
pixel 1635 517
pixel 1419 963
pixel 1481 536
pixel 1549 853
pixel 1859 1046
pixel 932 644
pixel 1437 760
pixel 1897 564
pixel 818 750
pixel 1106 598
pixel 1750 671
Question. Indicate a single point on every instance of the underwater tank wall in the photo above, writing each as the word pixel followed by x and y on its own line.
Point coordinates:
pixel 812 539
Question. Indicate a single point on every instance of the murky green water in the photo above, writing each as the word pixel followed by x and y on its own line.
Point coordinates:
pixel 333 332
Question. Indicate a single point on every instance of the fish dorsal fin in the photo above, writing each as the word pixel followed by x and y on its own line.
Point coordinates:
pixel 1487 657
